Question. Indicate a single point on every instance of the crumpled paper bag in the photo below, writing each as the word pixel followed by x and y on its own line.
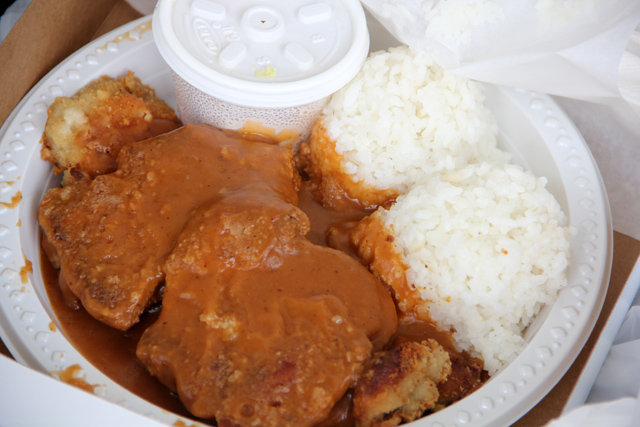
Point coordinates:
pixel 571 48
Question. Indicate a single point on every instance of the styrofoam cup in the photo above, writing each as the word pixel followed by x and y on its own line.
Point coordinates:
pixel 252 65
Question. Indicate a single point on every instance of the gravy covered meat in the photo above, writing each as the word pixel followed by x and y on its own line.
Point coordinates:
pixel 85 132
pixel 400 384
pixel 258 325
pixel 111 235
pixel 262 303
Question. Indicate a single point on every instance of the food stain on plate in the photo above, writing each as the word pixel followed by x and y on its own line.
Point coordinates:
pixel 132 35
pixel 15 200
pixel 74 375
pixel 26 270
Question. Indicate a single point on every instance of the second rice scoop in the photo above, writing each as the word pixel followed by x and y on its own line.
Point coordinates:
pixel 478 251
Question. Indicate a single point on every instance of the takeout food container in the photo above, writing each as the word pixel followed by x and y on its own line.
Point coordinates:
pixel 26 318
pixel 238 65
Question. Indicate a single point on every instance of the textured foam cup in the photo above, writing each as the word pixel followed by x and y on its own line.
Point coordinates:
pixel 261 67
pixel 293 124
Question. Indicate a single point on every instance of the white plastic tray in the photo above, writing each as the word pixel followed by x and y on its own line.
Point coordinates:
pixel 533 128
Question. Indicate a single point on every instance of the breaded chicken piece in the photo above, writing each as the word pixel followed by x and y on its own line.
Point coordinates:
pixel 465 378
pixel 84 133
pixel 111 235
pixel 400 384
pixel 260 327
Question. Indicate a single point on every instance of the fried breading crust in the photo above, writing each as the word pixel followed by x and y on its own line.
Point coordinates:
pixel 331 185
pixel 374 245
pixel 400 384
pixel 111 235
pixel 466 377
pixel 84 133
pixel 259 327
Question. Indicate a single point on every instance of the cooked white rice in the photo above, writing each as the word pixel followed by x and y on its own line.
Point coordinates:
pixel 403 117
pixel 486 246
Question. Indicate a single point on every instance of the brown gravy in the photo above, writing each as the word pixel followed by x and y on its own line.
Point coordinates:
pixel 113 352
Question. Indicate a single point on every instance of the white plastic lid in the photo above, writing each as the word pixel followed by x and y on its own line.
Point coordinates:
pixel 267 54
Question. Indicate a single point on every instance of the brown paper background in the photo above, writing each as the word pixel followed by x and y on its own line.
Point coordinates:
pixel 49 31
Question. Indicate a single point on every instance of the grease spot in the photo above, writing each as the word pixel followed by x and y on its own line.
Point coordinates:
pixel 26 270
pixel 74 376
pixel 132 35
pixel 15 200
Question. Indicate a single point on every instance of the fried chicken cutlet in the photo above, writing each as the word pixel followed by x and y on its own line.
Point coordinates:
pixel 258 325
pixel 84 133
pixel 400 384
pixel 111 235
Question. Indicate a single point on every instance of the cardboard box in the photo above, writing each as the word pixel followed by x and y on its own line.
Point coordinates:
pixel 50 31
pixel 47 33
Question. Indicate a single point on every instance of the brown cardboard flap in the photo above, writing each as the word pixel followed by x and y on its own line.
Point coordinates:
pixel 47 33
pixel 121 13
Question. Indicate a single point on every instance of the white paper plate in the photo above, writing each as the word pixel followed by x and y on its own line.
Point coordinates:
pixel 533 128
